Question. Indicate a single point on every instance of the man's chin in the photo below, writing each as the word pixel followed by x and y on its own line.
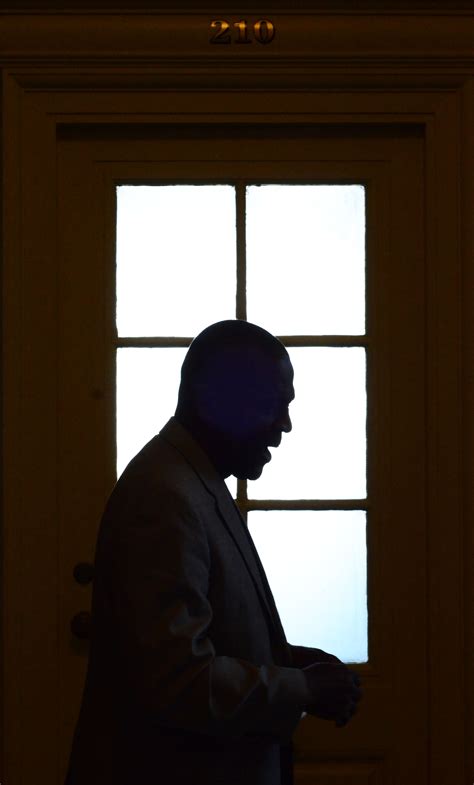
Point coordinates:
pixel 250 472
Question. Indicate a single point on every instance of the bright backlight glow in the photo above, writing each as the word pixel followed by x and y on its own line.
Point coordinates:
pixel 305 275
pixel 306 258
pixel 324 456
pixel 316 564
pixel 175 258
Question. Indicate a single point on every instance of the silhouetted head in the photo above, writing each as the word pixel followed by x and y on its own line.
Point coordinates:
pixel 236 386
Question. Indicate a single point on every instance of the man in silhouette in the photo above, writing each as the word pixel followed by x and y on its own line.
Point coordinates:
pixel 190 678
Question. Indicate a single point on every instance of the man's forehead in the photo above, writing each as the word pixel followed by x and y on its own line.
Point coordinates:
pixel 285 365
pixel 286 369
pixel 252 367
pixel 282 380
pixel 256 357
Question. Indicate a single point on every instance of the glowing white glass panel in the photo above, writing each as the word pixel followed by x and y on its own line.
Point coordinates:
pixel 324 456
pixel 316 564
pixel 147 394
pixel 176 258
pixel 306 258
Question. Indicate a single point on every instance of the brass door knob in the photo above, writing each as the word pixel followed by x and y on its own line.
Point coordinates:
pixel 83 573
pixel 81 625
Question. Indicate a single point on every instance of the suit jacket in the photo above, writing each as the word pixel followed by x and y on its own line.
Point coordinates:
pixel 190 677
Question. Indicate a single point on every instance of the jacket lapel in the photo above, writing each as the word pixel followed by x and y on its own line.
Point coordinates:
pixel 238 530
pixel 179 437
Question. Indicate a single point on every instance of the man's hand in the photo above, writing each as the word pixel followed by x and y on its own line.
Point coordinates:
pixel 335 691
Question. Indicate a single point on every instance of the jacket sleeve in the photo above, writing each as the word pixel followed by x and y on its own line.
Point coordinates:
pixel 163 615
pixel 303 656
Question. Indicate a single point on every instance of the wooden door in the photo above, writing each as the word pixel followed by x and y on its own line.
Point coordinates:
pixel 386 743
pixel 74 79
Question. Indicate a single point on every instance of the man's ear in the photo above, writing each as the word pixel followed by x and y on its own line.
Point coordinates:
pixel 208 404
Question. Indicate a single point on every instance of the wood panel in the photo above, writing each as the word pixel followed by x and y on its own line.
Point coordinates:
pixel 337 773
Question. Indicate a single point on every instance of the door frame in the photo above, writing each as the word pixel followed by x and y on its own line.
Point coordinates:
pixel 354 84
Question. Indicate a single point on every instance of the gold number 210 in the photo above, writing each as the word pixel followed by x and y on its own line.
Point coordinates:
pixel 263 32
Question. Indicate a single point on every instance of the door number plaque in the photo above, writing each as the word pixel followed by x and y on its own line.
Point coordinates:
pixel 224 32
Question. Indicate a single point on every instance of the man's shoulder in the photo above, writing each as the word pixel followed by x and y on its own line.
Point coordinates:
pixel 170 473
pixel 161 466
pixel 158 485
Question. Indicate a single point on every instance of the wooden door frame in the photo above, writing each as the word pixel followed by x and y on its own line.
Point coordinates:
pixel 146 68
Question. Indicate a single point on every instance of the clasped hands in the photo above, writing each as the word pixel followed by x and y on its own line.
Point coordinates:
pixel 336 689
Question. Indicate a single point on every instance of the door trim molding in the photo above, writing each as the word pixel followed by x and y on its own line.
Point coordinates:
pixel 339 44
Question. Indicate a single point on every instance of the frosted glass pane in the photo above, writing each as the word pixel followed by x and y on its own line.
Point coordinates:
pixel 324 456
pixel 316 564
pixel 147 394
pixel 306 258
pixel 176 258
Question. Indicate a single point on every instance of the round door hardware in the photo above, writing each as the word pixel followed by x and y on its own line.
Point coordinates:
pixel 81 625
pixel 83 573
